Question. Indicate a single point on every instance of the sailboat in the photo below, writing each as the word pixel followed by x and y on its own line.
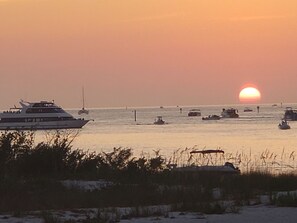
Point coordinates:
pixel 83 110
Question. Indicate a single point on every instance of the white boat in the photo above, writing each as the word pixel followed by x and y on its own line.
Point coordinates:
pixel 284 125
pixel 206 154
pixel 159 121
pixel 37 116
pixel 229 113
pixel 83 110
pixel 226 168
pixel 290 114
pixel 194 112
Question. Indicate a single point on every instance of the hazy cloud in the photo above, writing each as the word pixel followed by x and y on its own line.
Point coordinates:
pixel 155 17
pixel 264 17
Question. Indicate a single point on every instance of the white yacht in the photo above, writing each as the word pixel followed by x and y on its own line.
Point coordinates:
pixel 38 115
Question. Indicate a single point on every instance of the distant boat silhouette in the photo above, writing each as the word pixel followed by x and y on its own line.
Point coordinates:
pixel 83 110
pixel 284 124
pixel 159 121
pixel 247 109
pixel 194 112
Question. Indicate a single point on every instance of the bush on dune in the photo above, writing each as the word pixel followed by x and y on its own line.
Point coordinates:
pixel 14 146
pixel 19 156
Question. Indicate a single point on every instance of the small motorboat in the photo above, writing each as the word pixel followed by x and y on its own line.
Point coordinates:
pixel 159 121
pixel 290 114
pixel 284 125
pixel 211 117
pixel 229 113
pixel 247 109
pixel 206 155
pixel 194 112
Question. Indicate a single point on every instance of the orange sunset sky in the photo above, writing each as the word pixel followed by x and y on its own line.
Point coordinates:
pixel 147 52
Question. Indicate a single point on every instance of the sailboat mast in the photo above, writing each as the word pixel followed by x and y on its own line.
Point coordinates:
pixel 83 94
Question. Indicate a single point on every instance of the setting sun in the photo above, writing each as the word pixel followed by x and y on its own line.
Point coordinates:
pixel 249 94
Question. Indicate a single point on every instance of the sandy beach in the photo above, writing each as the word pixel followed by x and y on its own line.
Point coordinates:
pixel 255 214
pixel 247 214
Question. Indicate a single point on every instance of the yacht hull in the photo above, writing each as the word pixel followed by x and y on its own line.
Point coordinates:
pixel 66 124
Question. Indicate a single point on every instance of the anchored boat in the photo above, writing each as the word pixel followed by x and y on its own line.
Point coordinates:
pixel 37 116
pixel 206 155
pixel 159 121
pixel 211 117
pixel 284 125
pixel 229 113
pixel 194 112
pixel 290 114
pixel 83 110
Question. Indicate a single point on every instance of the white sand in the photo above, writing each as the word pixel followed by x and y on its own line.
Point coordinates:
pixel 250 214
pixel 172 217
pixel 257 214
pixel 27 219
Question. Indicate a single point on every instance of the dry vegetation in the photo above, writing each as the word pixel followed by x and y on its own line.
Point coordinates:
pixel 265 162
pixel 31 174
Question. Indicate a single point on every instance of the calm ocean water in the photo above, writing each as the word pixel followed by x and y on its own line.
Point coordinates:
pixel 251 132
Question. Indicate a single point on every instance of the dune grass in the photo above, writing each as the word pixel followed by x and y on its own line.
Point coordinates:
pixel 30 177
